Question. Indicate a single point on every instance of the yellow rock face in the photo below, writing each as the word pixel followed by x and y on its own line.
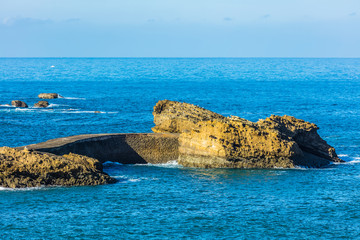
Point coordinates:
pixel 23 168
pixel 303 133
pixel 208 139
pixel 240 143
pixel 177 117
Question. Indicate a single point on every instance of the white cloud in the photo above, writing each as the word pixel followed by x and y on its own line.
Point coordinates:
pixel 24 21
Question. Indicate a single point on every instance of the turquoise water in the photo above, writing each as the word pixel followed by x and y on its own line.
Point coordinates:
pixel 170 201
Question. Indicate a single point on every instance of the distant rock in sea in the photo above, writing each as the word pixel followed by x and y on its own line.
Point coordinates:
pixel 49 95
pixel 210 140
pixel 24 168
pixel 17 103
pixel 41 104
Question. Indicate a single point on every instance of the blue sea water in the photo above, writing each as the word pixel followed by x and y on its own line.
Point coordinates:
pixel 169 201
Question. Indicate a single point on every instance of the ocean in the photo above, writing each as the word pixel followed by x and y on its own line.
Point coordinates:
pixel 167 200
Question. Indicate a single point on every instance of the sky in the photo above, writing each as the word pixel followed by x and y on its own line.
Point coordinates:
pixel 179 28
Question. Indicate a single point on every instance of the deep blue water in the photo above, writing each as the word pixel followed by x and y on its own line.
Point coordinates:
pixel 169 201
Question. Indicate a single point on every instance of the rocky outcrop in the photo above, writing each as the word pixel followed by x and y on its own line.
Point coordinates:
pixel 41 104
pixel 17 103
pixel 177 117
pixel 211 140
pixel 303 133
pixel 24 168
pixel 49 95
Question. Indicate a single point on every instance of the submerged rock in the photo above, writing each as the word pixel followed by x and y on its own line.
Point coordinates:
pixel 17 103
pixel 24 168
pixel 211 140
pixel 49 95
pixel 41 104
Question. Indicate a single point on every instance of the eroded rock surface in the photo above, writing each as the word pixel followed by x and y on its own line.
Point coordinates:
pixel 177 117
pixel 303 133
pixel 48 95
pixel 24 168
pixel 41 104
pixel 211 140
pixel 17 103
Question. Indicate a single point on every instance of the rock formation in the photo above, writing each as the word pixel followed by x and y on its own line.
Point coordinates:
pixel 211 140
pixel 303 133
pixel 177 117
pixel 24 168
pixel 17 103
pixel 41 104
pixel 49 95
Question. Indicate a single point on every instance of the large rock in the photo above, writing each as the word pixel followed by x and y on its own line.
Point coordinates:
pixel 303 133
pixel 17 103
pixel 213 141
pixel 41 104
pixel 177 117
pixel 24 168
pixel 49 95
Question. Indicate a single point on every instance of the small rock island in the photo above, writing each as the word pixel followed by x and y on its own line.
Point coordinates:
pixel 210 140
pixel 24 168
pixel 192 135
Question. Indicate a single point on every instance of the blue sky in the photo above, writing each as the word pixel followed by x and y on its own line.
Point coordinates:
pixel 179 28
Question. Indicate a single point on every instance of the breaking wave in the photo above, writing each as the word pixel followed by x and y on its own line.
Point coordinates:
pixel 73 98
pixel 169 164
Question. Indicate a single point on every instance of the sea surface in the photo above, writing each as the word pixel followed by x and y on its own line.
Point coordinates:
pixel 168 201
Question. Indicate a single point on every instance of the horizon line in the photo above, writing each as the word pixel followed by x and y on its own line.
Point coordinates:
pixel 190 57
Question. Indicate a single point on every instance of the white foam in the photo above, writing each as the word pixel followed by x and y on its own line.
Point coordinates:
pixel 354 160
pixel 169 164
pixel 53 108
pixel 57 105
pixel 134 180
pixel 71 111
pixel 299 168
pixel 125 179
pixel 24 109
pixel 6 105
pixel 81 112
pixel 22 189
pixel 343 155
pixel 73 98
